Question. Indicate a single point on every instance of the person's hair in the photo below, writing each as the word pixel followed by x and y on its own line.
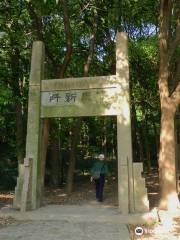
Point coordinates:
pixel 101 156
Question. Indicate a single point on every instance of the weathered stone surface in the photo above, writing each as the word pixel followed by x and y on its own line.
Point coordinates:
pixel 55 222
pixel 33 128
pixel 124 142
pixel 79 83
pixel 122 62
pixel 123 189
pixel 80 102
pixel 18 188
pixel 104 96
pixel 33 125
pixel 72 97
pixel 27 186
pixel 140 191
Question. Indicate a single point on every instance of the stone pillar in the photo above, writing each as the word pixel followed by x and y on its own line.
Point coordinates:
pixel 33 128
pixel 124 141
pixel 34 123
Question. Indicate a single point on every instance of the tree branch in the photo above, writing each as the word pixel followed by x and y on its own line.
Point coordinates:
pixel 37 22
pixel 165 11
pixel 68 36
pixel 38 26
pixel 176 41
pixel 176 95
pixel 177 73
pixel 92 46
pixel 91 52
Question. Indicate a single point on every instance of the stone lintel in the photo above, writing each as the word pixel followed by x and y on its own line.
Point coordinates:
pixel 91 102
pixel 82 83
pixel 54 112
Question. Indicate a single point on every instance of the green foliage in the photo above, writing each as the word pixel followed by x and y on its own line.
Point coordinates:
pixel 22 22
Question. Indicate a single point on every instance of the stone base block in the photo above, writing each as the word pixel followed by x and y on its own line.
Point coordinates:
pixel 18 188
pixel 123 190
pixel 140 192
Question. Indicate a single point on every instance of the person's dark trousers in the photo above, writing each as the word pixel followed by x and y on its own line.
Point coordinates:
pixel 99 187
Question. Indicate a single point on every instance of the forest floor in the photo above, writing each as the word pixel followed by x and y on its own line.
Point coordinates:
pixel 84 195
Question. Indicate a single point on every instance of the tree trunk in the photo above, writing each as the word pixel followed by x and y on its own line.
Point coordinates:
pixel 73 152
pixel 156 136
pixel 135 135
pixel 114 140
pixel 19 134
pixel 140 143
pixel 177 148
pixel 104 137
pixel 169 103
pixel 43 152
pixel 147 149
pixel 77 127
pixel 55 163
pixel 61 172
pixel 167 166
pixel 144 147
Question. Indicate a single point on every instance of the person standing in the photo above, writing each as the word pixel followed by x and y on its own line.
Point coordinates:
pixel 98 173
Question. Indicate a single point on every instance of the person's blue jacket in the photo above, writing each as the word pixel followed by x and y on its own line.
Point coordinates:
pixel 99 166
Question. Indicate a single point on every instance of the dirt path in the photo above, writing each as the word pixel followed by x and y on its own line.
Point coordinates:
pixel 65 223
pixel 88 221
pixel 78 216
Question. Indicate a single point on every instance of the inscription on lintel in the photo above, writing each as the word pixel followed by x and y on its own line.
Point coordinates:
pixel 77 97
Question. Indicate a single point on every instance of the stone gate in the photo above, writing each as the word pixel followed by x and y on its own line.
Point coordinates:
pixel 76 97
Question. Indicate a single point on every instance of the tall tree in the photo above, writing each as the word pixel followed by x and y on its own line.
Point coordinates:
pixel 77 124
pixel 169 39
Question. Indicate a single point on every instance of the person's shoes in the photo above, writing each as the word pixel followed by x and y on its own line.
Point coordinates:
pixel 94 202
